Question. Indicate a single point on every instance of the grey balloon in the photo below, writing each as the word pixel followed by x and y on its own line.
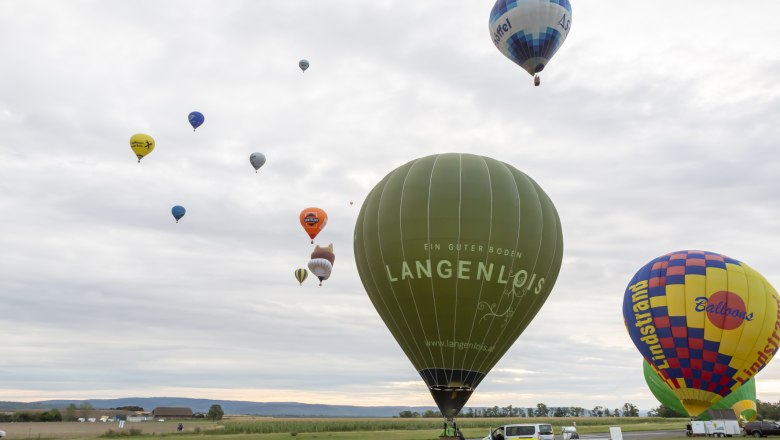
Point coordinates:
pixel 257 160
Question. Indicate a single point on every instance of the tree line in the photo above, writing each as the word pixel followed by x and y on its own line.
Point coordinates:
pixel 541 410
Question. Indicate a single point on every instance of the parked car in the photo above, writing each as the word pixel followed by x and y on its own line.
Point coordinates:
pixel 761 429
pixel 529 431
pixel 2 434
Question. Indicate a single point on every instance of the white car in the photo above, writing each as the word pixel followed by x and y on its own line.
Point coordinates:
pixel 2 434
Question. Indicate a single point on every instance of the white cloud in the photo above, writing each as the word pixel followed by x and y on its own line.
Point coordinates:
pixel 653 131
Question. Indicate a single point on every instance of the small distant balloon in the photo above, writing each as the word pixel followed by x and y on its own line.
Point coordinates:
pixel 301 274
pixel 141 144
pixel 303 64
pixel 178 212
pixel 321 268
pixel 313 220
pixel 257 160
pixel 196 119
pixel 324 252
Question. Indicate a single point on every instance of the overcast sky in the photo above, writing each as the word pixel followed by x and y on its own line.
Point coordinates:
pixel 655 129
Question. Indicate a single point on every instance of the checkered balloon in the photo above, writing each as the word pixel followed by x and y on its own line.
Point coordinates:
pixel 706 322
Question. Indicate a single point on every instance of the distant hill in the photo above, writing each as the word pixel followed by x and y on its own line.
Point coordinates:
pixel 289 409
pixel 236 407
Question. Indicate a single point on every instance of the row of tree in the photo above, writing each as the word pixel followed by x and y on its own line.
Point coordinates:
pixel 541 410
pixel 71 413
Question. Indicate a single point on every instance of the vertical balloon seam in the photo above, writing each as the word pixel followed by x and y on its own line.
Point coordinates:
pixel 750 292
pixel 487 258
pixel 526 183
pixel 381 251
pixel 769 305
pixel 406 346
pixel 474 366
pixel 433 286
pixel 403 253
pixel 487 360
pixel 760 342
pixel 413 349
pixel 457 258
pixel 747 302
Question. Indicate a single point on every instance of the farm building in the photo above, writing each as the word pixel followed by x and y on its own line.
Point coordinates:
pixel 172 412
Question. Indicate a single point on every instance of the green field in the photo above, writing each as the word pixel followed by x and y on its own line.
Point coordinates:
pixel 270 428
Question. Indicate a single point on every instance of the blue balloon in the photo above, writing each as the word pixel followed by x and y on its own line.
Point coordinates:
pixel 178 212
pixel 196 119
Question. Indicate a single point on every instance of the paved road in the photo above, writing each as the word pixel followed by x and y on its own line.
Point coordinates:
pixel 636 435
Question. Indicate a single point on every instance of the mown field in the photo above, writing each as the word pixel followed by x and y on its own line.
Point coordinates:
pixel 270 428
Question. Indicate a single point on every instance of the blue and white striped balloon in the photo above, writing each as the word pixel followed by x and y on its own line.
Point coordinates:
pixel 529 32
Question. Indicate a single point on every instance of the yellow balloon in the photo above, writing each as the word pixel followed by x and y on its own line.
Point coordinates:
pixel 142 144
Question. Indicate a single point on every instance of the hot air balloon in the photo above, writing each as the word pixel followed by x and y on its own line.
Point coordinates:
pixel 530 32
pixel 300 275
pixel 257 160
pixel 141 144
pixel 303 64
pixel 196 119
pixel 324 252
pixel 321 268
pixel 457 253
pixel 178 212
pixel 705 321
pixel 313 220
pixel 742 401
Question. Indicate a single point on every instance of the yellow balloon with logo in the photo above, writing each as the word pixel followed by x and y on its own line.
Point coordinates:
pixel 706 322
pixel 142 144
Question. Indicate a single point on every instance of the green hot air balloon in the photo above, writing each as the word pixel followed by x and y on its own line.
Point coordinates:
pixel 742 400
pixel 458 253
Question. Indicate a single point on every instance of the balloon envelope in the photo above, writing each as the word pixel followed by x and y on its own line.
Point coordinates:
pixel 301 274
pixel 705 321
pixel 531 31
pixel 313 220
pixel 303 64
pixel 178 212
pixel 196 119
pixel 257 160
pixel 457 253
pixel 324 252
pixel 321 268
pixel 141 144
pixel 742 400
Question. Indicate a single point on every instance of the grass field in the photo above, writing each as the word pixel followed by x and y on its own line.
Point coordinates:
pixel 269 428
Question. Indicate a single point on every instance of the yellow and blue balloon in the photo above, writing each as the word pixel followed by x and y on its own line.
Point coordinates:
pixel 706 322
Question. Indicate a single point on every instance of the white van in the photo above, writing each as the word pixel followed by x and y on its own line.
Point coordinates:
pixel 533 431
